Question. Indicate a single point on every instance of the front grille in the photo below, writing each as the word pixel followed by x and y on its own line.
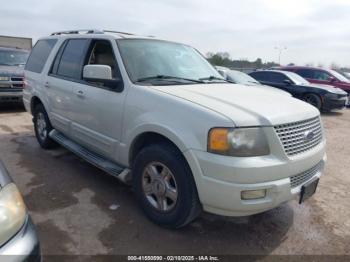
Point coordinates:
pixel 17 79
pixel 302 178
pixel 300 136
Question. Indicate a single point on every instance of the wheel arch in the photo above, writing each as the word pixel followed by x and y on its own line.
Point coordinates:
pixel 149 138
pixel 34 102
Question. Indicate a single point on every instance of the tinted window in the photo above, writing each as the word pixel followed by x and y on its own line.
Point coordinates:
pixel 260 76
pixel 321 75
pixel 306 73
pixel 277 78
pixel 72 59
pixel 39 55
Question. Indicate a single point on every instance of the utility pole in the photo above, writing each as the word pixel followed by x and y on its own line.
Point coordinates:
pixel 280 49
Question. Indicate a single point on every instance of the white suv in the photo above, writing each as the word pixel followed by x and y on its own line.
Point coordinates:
pixel 156 114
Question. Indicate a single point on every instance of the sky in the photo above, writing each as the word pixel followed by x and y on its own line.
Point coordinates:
pixel 313 31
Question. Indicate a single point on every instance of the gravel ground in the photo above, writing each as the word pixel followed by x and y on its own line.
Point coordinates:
pixel 80 210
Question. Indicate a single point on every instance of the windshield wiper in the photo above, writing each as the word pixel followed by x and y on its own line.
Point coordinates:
pixel 166 77
pixel 212 78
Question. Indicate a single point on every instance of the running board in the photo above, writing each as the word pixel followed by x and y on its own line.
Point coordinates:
pixel 97 160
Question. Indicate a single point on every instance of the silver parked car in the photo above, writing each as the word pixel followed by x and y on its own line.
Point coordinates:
pixel 18 238
pixel 12 61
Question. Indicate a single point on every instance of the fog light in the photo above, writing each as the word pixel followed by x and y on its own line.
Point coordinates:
pixel 253 194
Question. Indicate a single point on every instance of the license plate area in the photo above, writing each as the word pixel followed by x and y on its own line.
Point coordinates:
pixel 308 190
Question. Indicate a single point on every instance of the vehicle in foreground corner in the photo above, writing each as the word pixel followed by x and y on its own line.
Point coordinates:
pixel 324 98
pixel 12 61
pixel 18 238
pixel 238 77
pixel 192 140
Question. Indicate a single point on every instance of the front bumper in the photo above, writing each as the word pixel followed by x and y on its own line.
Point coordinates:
pixel 220 179
pixel 24 246
pixel 334 104
pixel 11 96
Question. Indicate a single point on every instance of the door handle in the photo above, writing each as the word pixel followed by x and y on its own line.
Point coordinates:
pixel 80 94
pixel 47 85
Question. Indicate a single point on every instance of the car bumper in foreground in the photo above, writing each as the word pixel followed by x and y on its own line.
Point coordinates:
pixel 221 180
pixel 24 246
pixel 11 96
pixel 335 104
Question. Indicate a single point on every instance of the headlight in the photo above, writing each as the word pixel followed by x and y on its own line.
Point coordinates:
pixel 12 212
pixel 4 78
pixel 240 142
pixel 331 96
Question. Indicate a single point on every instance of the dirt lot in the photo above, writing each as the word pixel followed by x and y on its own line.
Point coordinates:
pixel 80 210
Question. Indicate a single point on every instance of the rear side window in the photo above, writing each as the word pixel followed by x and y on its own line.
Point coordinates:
pixel 260 76
pixel 39 55
pixel 306 73
pixel 72 59
pixel 277 78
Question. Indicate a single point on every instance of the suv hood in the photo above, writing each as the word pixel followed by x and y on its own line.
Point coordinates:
pixel 329 88
pixel 11 70
pixel 253 106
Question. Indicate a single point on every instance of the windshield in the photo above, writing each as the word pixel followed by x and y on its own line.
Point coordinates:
pixel 297 79
pixel 339 76
pixel 157 62
pixel 13 58
pixel 241 78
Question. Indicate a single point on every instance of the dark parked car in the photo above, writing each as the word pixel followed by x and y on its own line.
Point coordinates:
pixel 12 61
pixel 321 76
pixel 238 77
pixel 18 238
pixel 323 97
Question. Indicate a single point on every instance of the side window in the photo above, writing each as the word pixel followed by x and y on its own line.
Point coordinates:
pixel 306 73
pixel 70 64
pixel 260 76
pixel 321 75
pixel 39 55
pixel 277 78
pixel 101 53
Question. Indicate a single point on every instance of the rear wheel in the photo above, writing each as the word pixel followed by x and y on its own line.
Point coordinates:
pixel 314 100
pixel 164 186
pixel 42 127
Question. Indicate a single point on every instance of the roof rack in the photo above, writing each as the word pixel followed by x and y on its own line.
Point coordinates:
pixel 80 31
pixel 89 31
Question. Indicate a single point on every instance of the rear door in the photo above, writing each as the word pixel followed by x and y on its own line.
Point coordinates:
pixel 36 71
pixel 63 76
pixel 98 109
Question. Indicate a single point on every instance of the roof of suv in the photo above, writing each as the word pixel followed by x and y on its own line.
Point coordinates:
pixel 93 33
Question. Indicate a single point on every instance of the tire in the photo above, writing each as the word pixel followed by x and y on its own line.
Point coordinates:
pixel 42 128
pixel 175 212
pixel 314 100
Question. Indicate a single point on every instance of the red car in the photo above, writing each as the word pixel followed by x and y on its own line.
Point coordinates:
pixel 321 76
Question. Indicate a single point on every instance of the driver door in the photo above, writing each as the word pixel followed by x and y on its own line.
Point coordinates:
pixel 98 109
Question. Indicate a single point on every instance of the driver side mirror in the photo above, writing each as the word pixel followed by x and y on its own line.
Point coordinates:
pixel 332 79
pixel 100 74
pixel 287 82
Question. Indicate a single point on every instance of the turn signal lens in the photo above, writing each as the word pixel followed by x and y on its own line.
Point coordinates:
pixel 218 140
pixel 253 194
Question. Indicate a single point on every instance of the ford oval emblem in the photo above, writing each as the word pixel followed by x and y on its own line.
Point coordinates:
pixel 308 136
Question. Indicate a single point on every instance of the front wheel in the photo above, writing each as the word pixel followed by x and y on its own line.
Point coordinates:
pixel 314 100
pixel 42 127
pixel 164 186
